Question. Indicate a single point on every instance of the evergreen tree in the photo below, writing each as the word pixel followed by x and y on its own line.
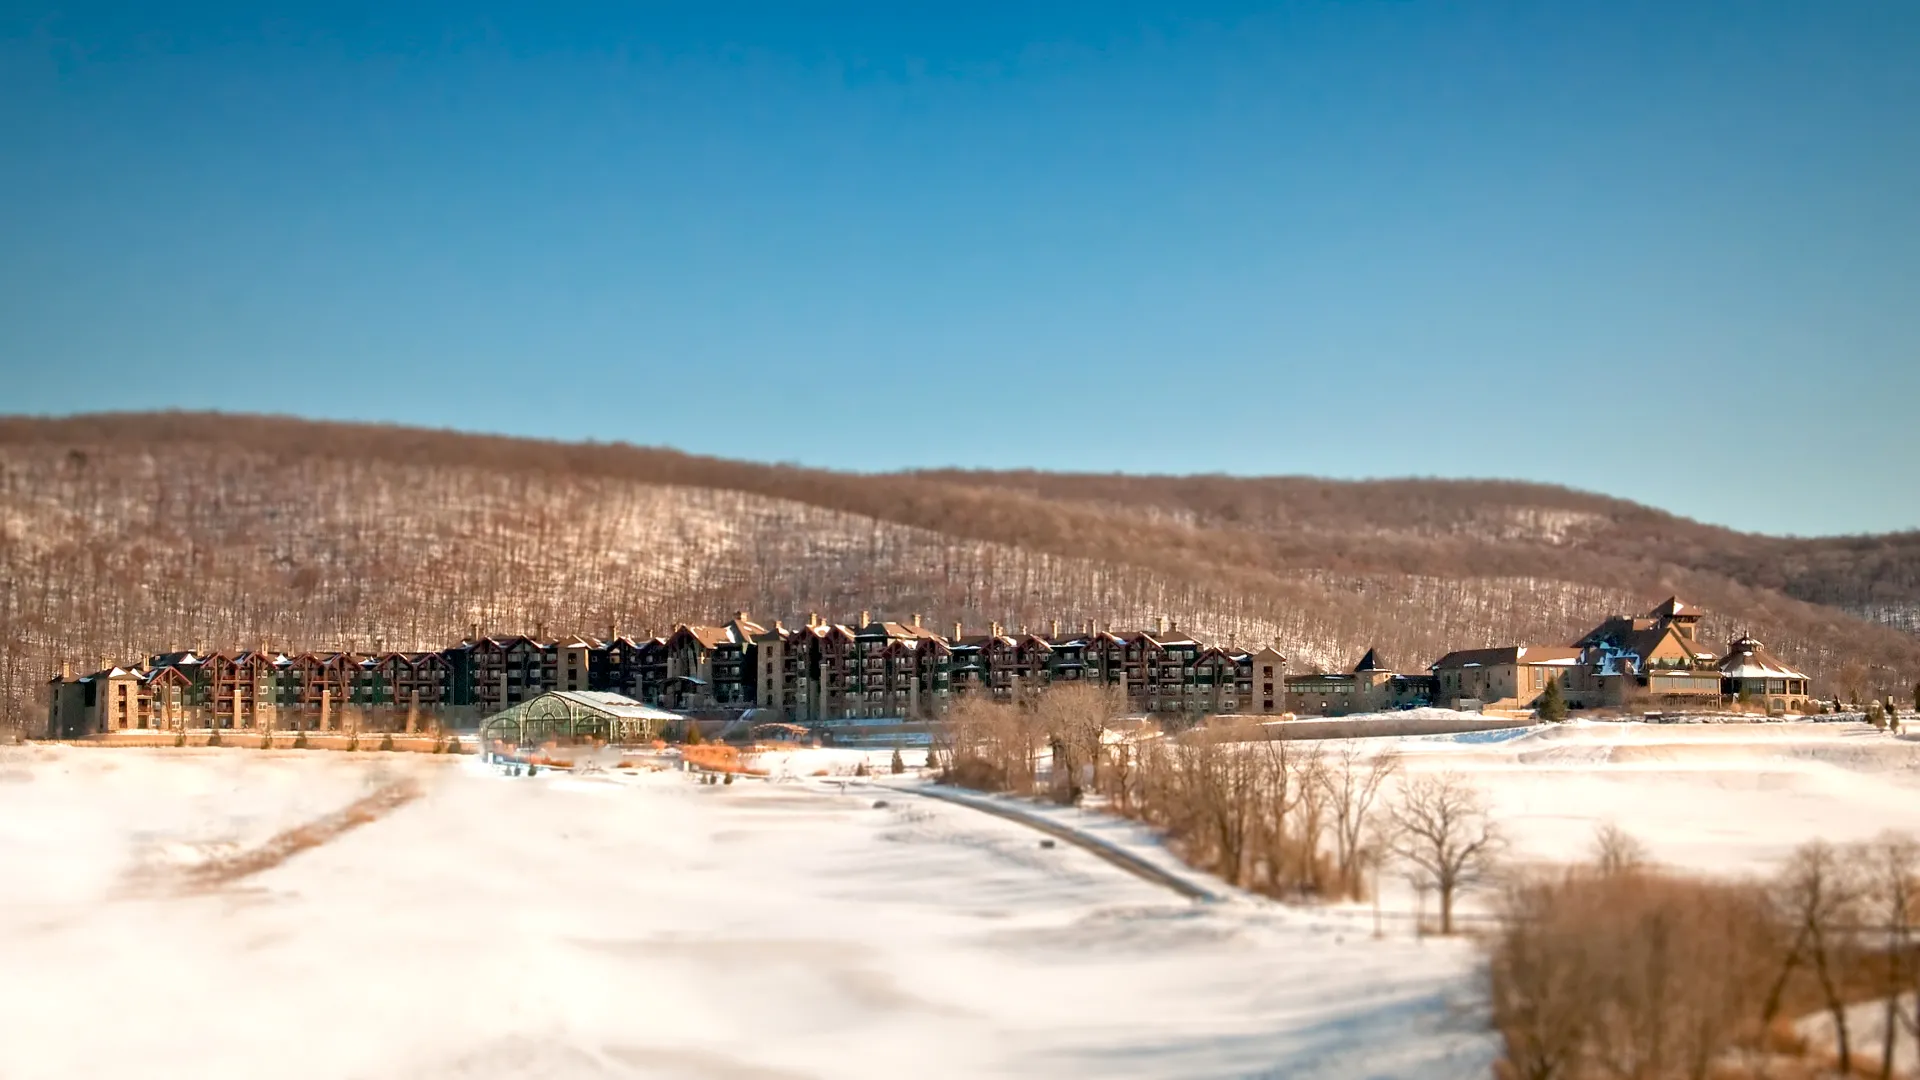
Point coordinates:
pixel 1552 706
pixel 898 766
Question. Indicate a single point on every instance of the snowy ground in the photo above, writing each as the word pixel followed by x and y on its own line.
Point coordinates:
pixel 643 925
pixel 647 926
pixel 1727 798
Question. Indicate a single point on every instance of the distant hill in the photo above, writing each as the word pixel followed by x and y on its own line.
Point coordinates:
pixel 120 533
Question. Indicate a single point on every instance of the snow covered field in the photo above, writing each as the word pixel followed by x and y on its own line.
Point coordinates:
pixel 647 926
pixel 612 925
pixel 1727 798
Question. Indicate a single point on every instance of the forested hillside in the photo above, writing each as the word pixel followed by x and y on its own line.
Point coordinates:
pixel 120 534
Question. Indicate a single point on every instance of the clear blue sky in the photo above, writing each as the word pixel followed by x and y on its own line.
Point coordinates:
pixel 1665 250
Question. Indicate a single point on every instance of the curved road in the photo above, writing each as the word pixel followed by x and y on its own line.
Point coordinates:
pixel 1118 856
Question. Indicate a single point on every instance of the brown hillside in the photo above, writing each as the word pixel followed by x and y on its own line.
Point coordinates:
pixel 125 532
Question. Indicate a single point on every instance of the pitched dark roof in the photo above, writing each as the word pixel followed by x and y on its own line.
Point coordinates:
pixel 1671 607
pixel 1508 654
pixel 1369 662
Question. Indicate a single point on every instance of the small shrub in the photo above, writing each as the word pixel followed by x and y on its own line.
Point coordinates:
pixel 693 736
pixel 386 742
pixel 729 779
pixel 898 766
pixel 300 740
pixel 976 773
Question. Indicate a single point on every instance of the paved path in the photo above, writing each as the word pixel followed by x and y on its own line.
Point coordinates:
pixel 1113 853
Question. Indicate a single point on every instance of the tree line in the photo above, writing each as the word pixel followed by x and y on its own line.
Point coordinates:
pixel 121 535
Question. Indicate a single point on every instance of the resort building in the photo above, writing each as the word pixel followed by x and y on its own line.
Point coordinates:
pixel 876 669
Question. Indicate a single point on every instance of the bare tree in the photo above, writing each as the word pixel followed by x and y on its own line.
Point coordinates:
pixel 1073 717
pixel 1354 779
pixel 1440 830
pixel 1616 852
pixel 1816 896
pixel 1852 678
pixel 1889 867
pixel 1642 974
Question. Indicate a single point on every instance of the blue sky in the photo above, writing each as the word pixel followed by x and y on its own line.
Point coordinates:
pixel 1664 251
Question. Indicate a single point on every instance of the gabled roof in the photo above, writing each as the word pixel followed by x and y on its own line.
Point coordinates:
pixel 174 659
pixel 1509 654
pixel 710 637
pixel 1641 637
pixel 1671 607
pixel 1369 662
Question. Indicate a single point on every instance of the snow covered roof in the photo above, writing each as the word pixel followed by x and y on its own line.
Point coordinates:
pixel 1749 659
pixel 616 705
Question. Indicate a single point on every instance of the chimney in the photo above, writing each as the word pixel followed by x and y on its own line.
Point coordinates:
pixel 539 631
pixel 958 632
pixel 613 632
pixel 473 632
pixel 995 629
pixel 66 671
pixel 1053 628
pixel 916 620
pixel 813 619
pixel 866 617
pixel 1173 627
pixel 1159 624
pixel 779 627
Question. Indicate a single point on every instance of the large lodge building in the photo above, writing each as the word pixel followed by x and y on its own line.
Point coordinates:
pixel 874 669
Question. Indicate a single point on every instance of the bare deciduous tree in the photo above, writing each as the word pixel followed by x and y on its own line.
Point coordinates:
pixel 1354 779
pixel 1642 974
pixel 1439 829
pixel 1616 852
pixel 1889 879
pixel 1074 717
pixel 1816 897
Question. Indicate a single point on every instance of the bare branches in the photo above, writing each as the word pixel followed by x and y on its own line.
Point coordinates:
pixel 1439 829
pixel 1353 779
